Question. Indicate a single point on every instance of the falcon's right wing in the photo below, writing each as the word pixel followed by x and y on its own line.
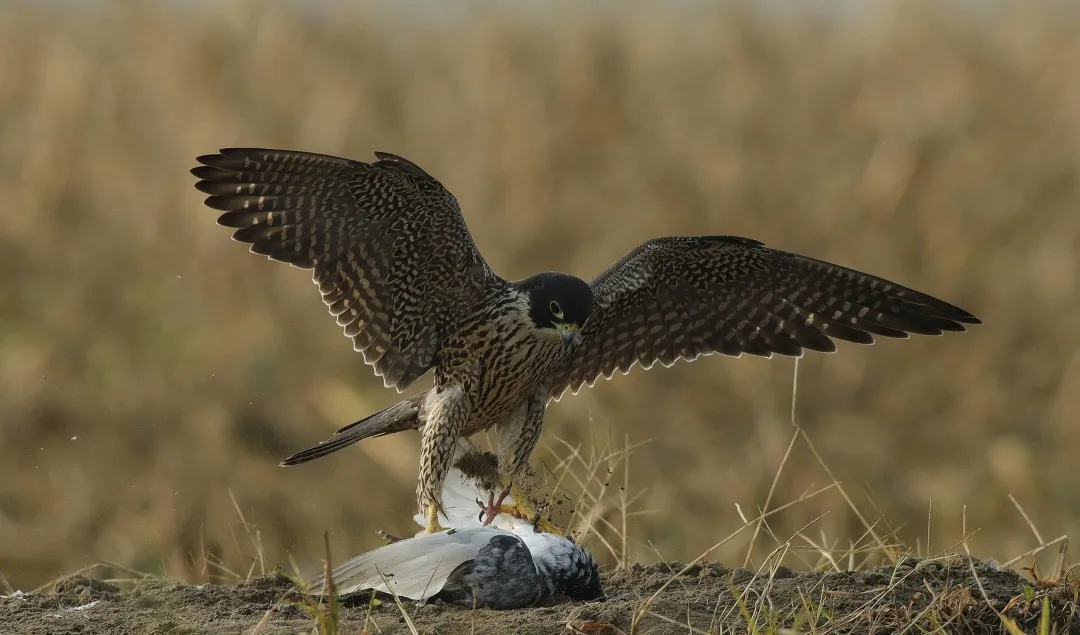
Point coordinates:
pixel 390 250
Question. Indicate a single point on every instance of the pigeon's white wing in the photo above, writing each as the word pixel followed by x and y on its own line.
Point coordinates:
pixel 459 496
pixel 416 567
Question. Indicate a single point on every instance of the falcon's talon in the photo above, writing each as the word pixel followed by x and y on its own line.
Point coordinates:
pixel 484 507
pixel 525 508
pixel 433 526
pixel 539 523
pixel 546 527
pixel 494 506
pixel 526 511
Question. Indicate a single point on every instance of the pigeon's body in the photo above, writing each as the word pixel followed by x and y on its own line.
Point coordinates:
pixel 502 569
pixel 508 564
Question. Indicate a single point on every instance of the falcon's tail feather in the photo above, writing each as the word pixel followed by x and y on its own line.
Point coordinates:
pixel 400 416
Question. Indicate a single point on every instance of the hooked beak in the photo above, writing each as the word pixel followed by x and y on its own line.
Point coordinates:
pixel 570 333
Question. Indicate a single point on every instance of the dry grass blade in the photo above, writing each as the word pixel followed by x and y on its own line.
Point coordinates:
pixel 1060 540
pixel 1007 623
pixel 73 573
pixel 329 622
pixel 772 488
pixel 1027 519
pixel 971 564
pixel 255 538
pixel 644 609
pixel 264 622
pixel 4 586
pixel 136 575
pixel 683 626
pixel 592 502
pixel 624 505
pixel 929 517
pixel 869 527
pixel 400 605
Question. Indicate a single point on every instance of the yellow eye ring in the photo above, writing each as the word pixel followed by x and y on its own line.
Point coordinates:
pixel 555 309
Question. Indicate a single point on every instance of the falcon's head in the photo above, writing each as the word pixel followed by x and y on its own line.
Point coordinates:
pixel 558 303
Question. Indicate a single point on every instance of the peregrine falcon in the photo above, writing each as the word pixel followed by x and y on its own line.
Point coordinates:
pixel 396 265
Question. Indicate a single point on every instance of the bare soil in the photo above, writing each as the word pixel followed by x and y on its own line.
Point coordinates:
pixel 918 594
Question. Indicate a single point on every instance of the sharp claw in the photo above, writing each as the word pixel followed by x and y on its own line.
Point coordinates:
pixel 531 514
pixel 494 506
pixel 546 527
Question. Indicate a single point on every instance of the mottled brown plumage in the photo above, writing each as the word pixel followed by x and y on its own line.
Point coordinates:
pixel 356 224
pixel 396 265
pixel 682 297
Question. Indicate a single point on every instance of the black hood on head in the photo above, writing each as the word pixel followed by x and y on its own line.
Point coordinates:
pixel 549 292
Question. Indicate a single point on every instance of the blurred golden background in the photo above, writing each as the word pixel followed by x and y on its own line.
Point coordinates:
pixel 149 366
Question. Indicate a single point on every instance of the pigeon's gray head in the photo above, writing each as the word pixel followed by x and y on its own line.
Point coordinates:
pixel 569 566
pixel 529 568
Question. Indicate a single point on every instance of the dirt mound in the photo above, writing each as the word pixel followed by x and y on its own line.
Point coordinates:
pixel 928 594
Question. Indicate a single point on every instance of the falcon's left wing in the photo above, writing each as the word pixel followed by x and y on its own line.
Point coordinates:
pixel 680 297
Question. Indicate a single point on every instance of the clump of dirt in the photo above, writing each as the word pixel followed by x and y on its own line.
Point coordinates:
pixel 924 594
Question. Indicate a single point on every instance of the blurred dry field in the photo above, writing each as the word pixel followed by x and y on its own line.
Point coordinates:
pixel 150 369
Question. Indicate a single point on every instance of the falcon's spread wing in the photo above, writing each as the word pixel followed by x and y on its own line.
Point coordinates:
pixel 390 250
pixel 681 297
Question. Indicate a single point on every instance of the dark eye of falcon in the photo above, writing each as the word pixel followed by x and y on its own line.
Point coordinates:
pixel 556 310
